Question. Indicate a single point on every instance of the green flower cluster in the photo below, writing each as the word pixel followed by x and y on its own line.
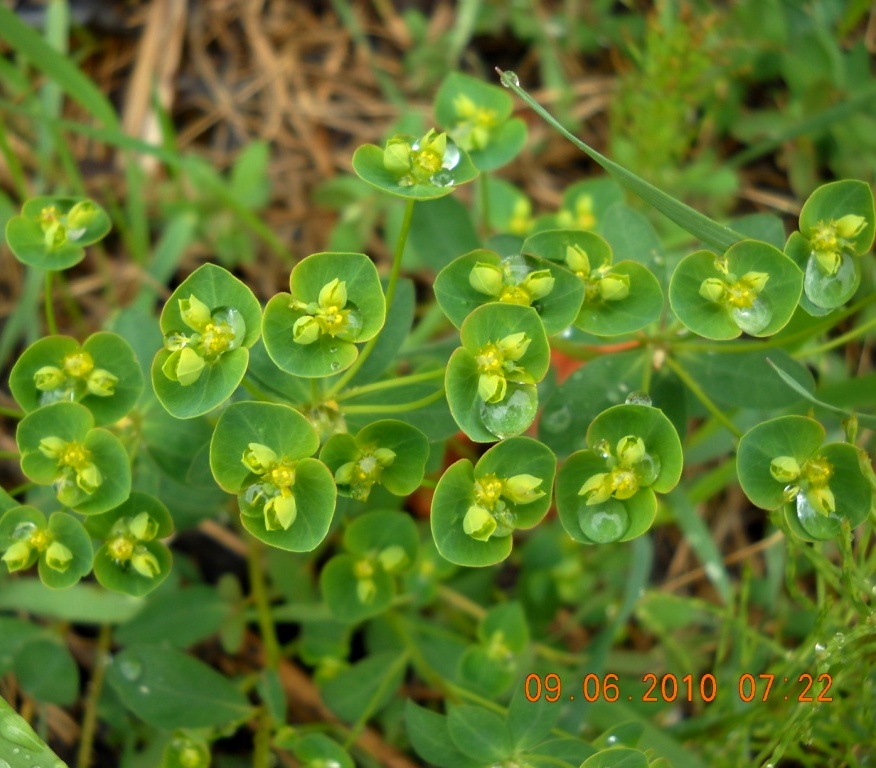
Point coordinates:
pixel 273 492
pixel 76 377
pixel 497 365
pixel 216 332
pixel 126 544
pixel 329 315
pixel 499 282
pixel 59 228
pixel 75 468
pixel 490 514
pixel 811 479
pixel 600 283
pixel 630 468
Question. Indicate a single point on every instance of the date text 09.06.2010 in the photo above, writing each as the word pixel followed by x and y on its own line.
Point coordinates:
pixel 669 687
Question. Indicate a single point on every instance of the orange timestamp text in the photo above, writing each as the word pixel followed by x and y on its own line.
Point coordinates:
pixel 669 687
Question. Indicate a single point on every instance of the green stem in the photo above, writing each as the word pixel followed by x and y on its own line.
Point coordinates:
pixel 400 408
pixel 379 386
pixel 273 653
pixel 689 219
pixel 89 718
pixel 381 690
pixel 262 603
pixel 703 397
pixel 9 455
pixel 51 325
pixel 485 206
pixel 390 295
pixel 11 413
pixel 838 341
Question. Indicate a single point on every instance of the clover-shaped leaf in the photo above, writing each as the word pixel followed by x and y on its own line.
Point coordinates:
pixel 490 380
pixel 261 452
pixel 361 582
pixel 60 545
pixel 782 463
pixel 754 288
pixel 606 492
pixel 209 322
pixel 415 168
pixel 476 508
pixel 483 276
pixel 477 115
pixel 387 452
pixel 88 467
pixel 132 559
pixel 102 374
pixel 336 301
pixel 618 297
pixel 52 232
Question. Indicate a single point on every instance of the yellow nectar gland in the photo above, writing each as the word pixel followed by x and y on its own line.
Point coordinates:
pixel 217 338
pixel 428 161
pixel 75 455
pixel 282 475
pixel 488 490
pixel 739 295
pixel 334 320
pixel 121 548
pixel 40 539
pixel 818 471
pixel 825 237
pixel 78 364
pixel 490 359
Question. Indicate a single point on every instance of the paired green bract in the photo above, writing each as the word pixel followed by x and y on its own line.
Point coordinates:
pixel 783 464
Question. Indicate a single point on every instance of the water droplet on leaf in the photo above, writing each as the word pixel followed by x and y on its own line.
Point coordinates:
pixel 557 420
pixel 509 78
pixel 334 365
pixel 353 326
pixel 57 395
pixel 829 291
pixel 233 319
pixel 638 398
pixel 604 523
pixel 755 318
pixel 514 413
pixel 131 669
pixel 816 524
pixel 442 178
pixel 648 469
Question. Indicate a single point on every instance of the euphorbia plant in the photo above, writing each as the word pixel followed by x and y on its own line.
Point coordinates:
pixel 330 415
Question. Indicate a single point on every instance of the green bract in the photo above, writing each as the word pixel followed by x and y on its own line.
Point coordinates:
pixel 477 116
pixel 102 374
pixel 782 463
pixel 415 168
pixel 476 508
pixel 618 298
pixel 606 492
pixel 837 224
pixel 388 452
pixel 260 452
pixel 52 232
pixel 491 666
pixel 482 277
pixel 754 288
pixel 132 559
pixel 88 468
pixel 361 583
pixel 491 379
pixel 209 322
pixel 60 544
pixel 336 301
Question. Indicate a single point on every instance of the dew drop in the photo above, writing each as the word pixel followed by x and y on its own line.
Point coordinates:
pixel 144 689
pixel 611 740
pixel 16 731
pixel 334 365
pixel 556 421
pixel 816 524
pixel 175 340
pixel 442 178
pixel 252 500
pixel 332 350
pixel 603 523
pixel 829 291
pixel 233 318
pixel 514 413
pixel 509 78
pixel 130 669
pixel 638 398
pixel 451 156
pixel 353 326
pixel 23 531
pixel 4 764
pixel 57 395
pixel 753 319
pixel 648 469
